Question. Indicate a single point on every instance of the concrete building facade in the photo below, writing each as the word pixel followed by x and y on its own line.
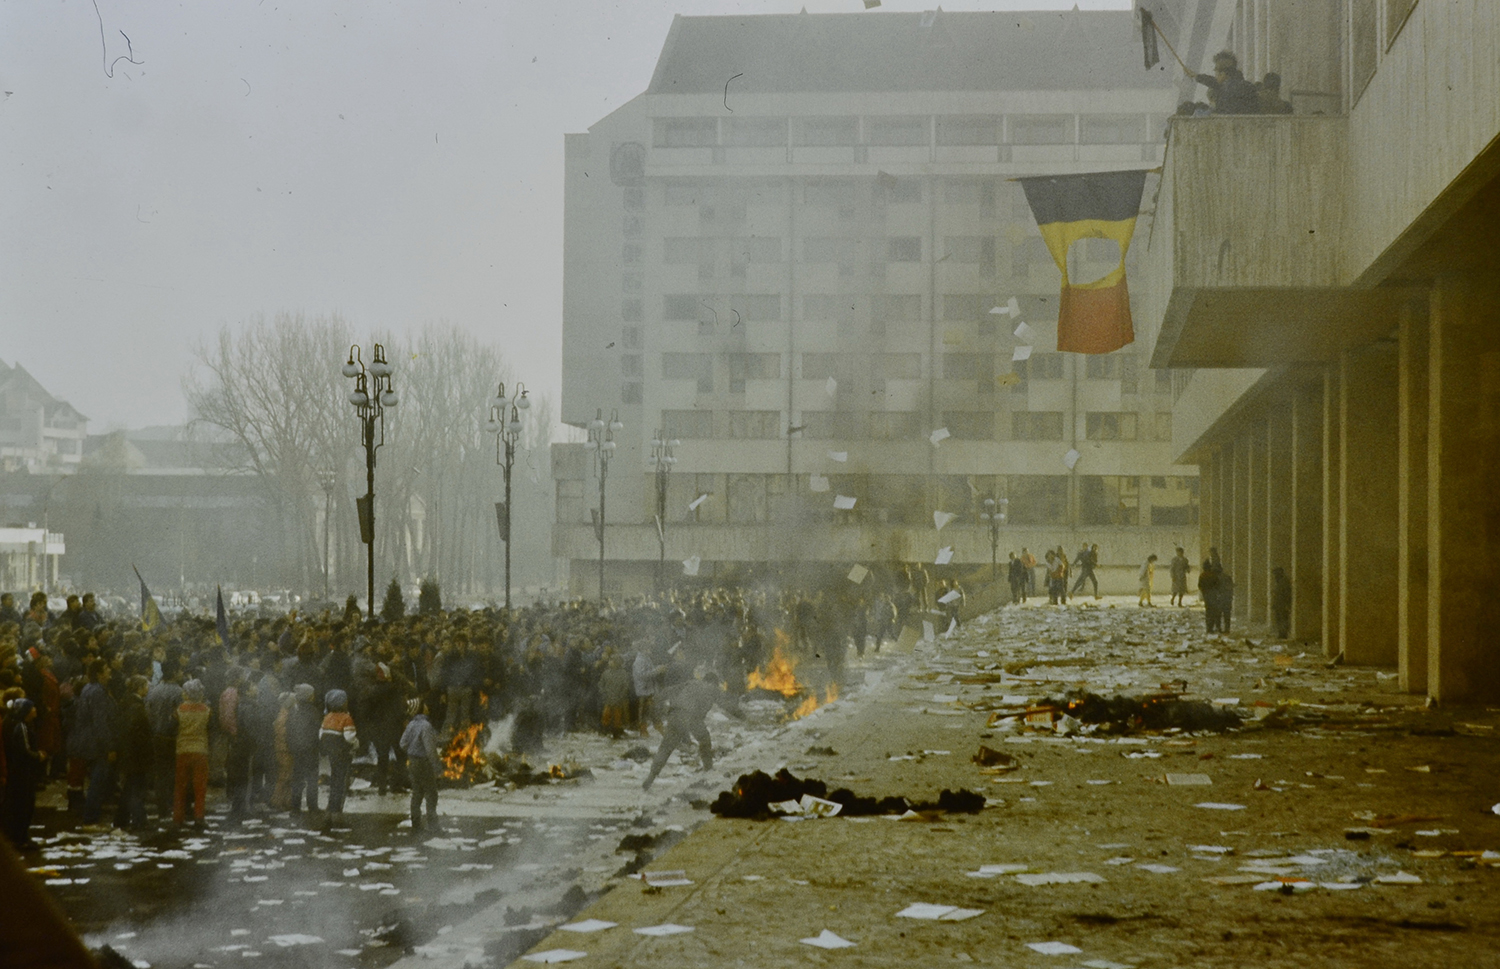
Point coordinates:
pixel 788 253
pixel 1331 281
pixel 38 432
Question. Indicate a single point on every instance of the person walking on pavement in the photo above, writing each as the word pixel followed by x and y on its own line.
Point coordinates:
pixel 1180 567
pixel 192 754
pixel 419 743
pixel 337 740
pixel 1088 559
pixel 689 702
pixel 1028 562
pixel 1147 577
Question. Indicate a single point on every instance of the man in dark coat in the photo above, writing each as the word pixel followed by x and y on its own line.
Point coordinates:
pixel 689 703
pixel 302 728
pixel 95 739
pixel 23 772
pixel 135 755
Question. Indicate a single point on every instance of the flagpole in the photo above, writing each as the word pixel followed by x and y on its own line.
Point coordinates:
pixel 1157 27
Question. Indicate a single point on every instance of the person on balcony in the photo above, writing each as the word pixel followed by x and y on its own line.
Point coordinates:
pixel 1268 92
pixel 1228 91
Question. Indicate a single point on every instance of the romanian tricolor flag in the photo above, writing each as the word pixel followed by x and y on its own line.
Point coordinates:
pixel 1092 317
pixel 150 614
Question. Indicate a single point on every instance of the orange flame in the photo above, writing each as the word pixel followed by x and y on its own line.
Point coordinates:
pixel 779 675
pixel 464 754
pixel 810 702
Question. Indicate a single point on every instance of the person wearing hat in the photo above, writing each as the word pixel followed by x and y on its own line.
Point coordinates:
pixel 23 763
pixel 302 729
pixel 337 741
pixel 192 754
pixel 419 742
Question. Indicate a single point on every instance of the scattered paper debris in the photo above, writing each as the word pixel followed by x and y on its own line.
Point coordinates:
pixel 1070 459
pixel 1059 878
pixel 667 928
pixel 817 483
pixel 1053 948
pixel 1021 353
pixel 1399 878
pixel 939 436
pixel 555 955
pixel 1024 331
pixel 944 555
pixel 839 456
pixel 832 387
pixel 1156 869
pixel 827 939
pixel 857 574
pixel 287 941
pixel 1217 806
pixel 953 595
pixel 844 502
pixel 941 518
pixel 690 565
pixel 1189 780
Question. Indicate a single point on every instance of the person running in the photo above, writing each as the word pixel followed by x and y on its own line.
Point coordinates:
pixel 689 703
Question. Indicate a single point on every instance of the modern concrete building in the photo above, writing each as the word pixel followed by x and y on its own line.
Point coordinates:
pixel 38 432
pixel 796 253
pixel 772 280
pixel 1332 280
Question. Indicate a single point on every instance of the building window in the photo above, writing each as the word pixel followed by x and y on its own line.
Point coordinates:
pixel 968 130
pixel 632 310
pixel 1037 499
pixel 1112 129
pixel 1110 427
pixel 966 307
pixel 828 425
pixel 683 306
pixel 757 307
pixel 830 249
pixel 635 198
pixel 747 497
pixel 1041 129
pixel 631 226
pixel 970 425
pixel 1130 375
pixel 630 393
pixel 968 366
pixel 1109 500
pixel 904 249
pixel 1163 381
pixel 630 366
pixel 829 191
pixel 1102 368
pixel 685 132
pixel 961 191
pixel 900 191
pixel 1164 425
pixel 827 131
pixel 689 366
pixel 1041 366
pixel 827 307
pixel 896 366
pixel 896 131
pixel 630 283
pixel 687 423
pixel 755 132
pixel 1173 501
pixel 686 250
pixel 755 425
pixel 821 366
pixel 630 337
pixel 1032 425
pixel 755 366
pixel 896 426
pixel 630 253
pixel 903 308
pixel 757 249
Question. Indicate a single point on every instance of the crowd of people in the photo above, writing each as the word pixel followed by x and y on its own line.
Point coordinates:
pixel 143 720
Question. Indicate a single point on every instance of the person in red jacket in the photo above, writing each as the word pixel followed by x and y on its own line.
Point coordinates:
pixel 192 753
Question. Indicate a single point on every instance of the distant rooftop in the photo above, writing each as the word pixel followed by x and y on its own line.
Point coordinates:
pixel 933 51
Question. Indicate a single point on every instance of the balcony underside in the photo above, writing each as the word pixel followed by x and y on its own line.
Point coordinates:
pixel 1245 327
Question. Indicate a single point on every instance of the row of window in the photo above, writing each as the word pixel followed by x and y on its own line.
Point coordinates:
pixel 964 425
pixel 729 201
pixel 846 251
pixel 891 366
pixel 907 130
pixel 1103 500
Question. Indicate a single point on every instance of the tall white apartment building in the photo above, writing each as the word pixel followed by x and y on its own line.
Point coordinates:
pixel 786 255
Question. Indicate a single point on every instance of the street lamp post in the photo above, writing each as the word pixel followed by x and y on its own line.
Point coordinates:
pixel 507 431
pixel 994 514
pixel 662 460
pixel 326 480
pixel 373 394
pixel 602 442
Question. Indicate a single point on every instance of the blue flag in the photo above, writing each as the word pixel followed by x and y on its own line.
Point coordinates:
pixel 223 618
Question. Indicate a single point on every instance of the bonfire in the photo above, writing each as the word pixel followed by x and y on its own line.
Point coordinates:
pixel 779 675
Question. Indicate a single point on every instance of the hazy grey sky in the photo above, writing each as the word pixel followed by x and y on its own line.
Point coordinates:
pixel 394 162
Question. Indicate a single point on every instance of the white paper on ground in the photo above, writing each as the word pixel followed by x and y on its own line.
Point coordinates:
pixel 817 483
pixel 990 871
pixel 950 596
pixel 1105 964
pixel 857 574
pixel 827 940
pixel 839 456
pixel 960 914
pixel 844 502
pixel 944 555
pixel 925 910
pixel 1217 806
pixel 690 566
pixel 1188 780
pixel 785 807
pixel 1024 331
pixel 588 925
pixel 1053 948
pixel 287 941
pixel 939 436
pixel 693 505
pixel 667 928
pixel 816 807
pixel 832 387
pixel 1021 353
pixel 941 518
pixel 1059 878
pixel 928 632
pixel 555 955
pixel 1399 878
pixel 1158 869
pixel 999 311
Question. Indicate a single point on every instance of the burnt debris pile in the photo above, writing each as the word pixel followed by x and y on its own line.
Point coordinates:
pixel 1154 712
pixel 754 793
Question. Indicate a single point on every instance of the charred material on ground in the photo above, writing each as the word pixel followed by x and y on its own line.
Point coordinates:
pixel 753 794
pixel 1154 712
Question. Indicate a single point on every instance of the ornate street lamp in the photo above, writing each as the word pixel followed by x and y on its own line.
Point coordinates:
pixel 994 514
pixel 662 460
pixel 505 424
pixel 373 394
pixel 602 442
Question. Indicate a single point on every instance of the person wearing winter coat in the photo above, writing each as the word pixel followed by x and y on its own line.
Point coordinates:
pixel 337 741
pixel 135 756
pixel 23 772
pixel 302 728
pixel 381 720
pixel 94 740
pixel 192 754
pixel 419 742
pixel 281 791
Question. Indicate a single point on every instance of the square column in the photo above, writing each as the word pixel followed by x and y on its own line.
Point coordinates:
pixel 1237 557
pixel 1332 462
pixel 1279 509
pixel 1411 497
pixel 1257 572
pixel 1368 511
pixel 1463 466
pixel 1306 569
